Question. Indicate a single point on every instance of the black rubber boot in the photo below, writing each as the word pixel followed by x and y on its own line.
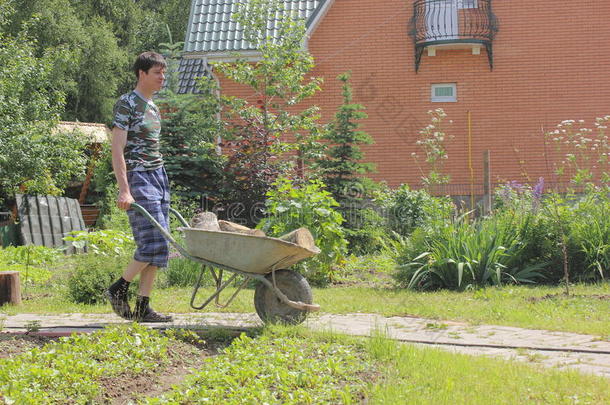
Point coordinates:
pixel 144 313
pixel 117 296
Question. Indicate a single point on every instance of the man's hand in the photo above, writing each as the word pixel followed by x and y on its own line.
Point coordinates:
pixel 124 201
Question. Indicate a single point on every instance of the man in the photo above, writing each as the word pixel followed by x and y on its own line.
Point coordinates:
pixel 138 168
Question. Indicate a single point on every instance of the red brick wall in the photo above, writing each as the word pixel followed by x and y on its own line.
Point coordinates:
pixel 551 63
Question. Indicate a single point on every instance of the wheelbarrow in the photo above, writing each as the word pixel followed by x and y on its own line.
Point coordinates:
pixel 281 296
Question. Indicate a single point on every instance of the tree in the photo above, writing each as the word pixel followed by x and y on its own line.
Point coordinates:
pixel 341 165
pixel 190 125
pixel 257 143
pixel 92 45
pixel 31 159
pixel 342 171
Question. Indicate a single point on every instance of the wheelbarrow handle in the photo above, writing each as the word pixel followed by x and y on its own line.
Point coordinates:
pixel 138 208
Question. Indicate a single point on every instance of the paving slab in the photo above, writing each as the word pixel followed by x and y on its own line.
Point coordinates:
pixel 561 350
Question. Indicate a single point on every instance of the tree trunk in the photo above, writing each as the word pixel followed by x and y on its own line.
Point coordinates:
pixel 10 288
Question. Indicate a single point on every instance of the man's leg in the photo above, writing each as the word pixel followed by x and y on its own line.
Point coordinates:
pixel 117 292
pixel 147 278
pixel 142 312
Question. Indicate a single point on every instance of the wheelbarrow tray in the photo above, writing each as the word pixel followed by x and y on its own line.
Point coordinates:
pixel 247 253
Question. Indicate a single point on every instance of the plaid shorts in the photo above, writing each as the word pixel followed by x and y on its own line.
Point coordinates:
pixel 150 189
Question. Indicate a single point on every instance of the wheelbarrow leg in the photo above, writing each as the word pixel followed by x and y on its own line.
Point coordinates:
pixel 218 280
pixel 219 289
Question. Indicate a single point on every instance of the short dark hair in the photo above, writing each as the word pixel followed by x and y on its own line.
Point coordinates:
pixel 146 60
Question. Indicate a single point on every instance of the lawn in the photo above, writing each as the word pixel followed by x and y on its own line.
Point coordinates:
pixel 583 312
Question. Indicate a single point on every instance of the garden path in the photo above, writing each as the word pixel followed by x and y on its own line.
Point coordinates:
pixel 562 350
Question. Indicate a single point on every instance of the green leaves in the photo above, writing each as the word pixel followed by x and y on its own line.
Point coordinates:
pixel 107 242
pixel 462 255
pixel 277 368
pixel 291 206
pixel 70 370
pixel 33 156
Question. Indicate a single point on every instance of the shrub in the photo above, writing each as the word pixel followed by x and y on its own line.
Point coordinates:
pixel 30 274
pixel 462 255
pixel 290 207
pixel 93 274
pixel 106 242
pixel 589 238
pixel 368 233
pixel 408 209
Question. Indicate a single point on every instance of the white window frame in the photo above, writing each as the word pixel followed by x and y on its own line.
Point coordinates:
pixel 467 4
pixel 443 99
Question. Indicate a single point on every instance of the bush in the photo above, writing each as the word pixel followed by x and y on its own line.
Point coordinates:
pixel 463 255
pixel 29 255
pixel 106 242
pixel 408 209
pixel 92 276
pixel 589 238
pixel 290 207
pixel 368 233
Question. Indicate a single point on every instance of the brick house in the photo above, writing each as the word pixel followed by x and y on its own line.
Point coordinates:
pixel 516 70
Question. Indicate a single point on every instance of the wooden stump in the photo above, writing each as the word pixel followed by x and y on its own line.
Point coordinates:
pixel 10 288
pixel 301 237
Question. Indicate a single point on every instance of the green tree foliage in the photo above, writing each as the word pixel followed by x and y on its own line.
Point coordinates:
pixel 342 170
pixel 93 43
pixel 258 127
pixel 29 108
pixel 190 127
pixel 341 165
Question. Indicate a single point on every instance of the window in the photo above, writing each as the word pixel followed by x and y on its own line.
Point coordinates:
pixel 444 93
pixel 467 4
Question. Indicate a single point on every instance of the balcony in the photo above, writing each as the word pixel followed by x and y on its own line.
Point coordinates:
pixel 452 24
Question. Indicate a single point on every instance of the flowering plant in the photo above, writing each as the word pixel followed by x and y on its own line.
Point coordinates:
pixel 585 152
pixel 432 140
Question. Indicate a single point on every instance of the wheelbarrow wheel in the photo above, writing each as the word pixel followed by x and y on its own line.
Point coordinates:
pixel 269 307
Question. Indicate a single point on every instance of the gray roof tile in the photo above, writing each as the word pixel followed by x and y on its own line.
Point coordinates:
pixel 211 28
pixel 188 73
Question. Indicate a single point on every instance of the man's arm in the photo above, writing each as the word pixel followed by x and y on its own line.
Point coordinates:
pixel 119 139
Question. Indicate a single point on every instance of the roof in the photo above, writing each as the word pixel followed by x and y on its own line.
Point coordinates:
pixel 211 28
pixel 188 73
pixel 96 133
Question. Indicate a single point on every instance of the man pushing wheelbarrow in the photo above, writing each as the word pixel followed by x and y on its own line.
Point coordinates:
pixel 282 295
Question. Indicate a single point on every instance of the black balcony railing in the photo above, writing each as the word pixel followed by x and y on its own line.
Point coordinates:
pixel 438 22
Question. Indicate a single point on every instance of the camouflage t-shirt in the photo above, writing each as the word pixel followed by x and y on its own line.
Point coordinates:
pixel 142 121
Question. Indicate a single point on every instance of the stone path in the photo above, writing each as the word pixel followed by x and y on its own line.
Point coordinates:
pixel 586 353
